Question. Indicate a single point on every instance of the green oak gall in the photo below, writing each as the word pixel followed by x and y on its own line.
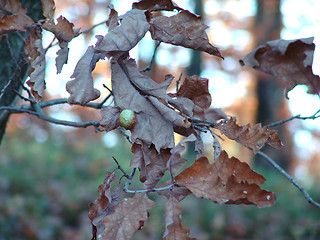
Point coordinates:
pixel 127 119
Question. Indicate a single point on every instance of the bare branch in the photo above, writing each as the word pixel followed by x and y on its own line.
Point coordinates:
pixel 294 182
pixel 28 109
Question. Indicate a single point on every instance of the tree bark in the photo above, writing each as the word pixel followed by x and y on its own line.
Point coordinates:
pixel 13 68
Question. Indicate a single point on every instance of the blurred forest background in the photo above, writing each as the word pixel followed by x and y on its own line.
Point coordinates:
pixel 49 174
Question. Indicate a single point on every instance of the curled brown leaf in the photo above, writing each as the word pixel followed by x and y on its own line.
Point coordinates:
pixel 104 204
pixel 63 30
pixel 122 38
pixel 156 5
pixel 174 228
pixel 253 138
pixel 290 60
pixel 129 216
pixel 225 183
pixel 81 87
pixel 183 29
pixel 35 56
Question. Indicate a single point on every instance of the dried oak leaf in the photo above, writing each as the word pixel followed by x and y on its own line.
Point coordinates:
pixel 12 6
pixel 110 118
pixel 129 89
pixel 152 165
pixel 290 60
pixel 35 56
pixel 129 217
pixel 156 5
pixel 253 138
pixel 196 89
pixel 62 56
pixel 183 29
pixel 18 21
pixel 112 21
pixel 104 205
pixel 63 30
pixel 48 8
pixel 226 181
pixel 174 228
pixel 124 37
pixel 81 88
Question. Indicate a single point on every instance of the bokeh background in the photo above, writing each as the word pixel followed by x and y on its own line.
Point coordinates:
pixel 49 174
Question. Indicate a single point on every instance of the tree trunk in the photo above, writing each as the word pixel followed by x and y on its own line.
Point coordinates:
pixel 13 67
pixel 268 25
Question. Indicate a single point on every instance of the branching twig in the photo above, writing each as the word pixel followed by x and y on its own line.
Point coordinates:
pixel 313 117
pixel 124 134
pixel 294 182
pixel 120 168
pixel 41 115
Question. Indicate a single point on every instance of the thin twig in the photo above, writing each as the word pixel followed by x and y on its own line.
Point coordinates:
pixel 124 134
pixel 313 117
pixel 148 68
pixel 178 83
pixel 94 26
pixel 294 182
pixel 120 168
pixel 149 190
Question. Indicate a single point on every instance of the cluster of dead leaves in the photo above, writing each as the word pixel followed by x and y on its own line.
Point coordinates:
pixel 159 114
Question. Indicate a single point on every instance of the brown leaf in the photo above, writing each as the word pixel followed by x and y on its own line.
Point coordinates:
pixel 174 228
pixel 226 181
pixel 12 6
pixel 170 114
pixel 151 164
pixel 151 126
pixel 145 84
pixel 110 118
pixel 253 138
pixel 11 23
pixel 215 114
pixel 63 30
pixel 175 161
pixel 183 29
pixel 124 37
pixel 62 56
pixel 129 216
pixel 112 21
pixel 156 5
pixel 81 88
pixel 290 60
pixel 196 89
pixel 104 204
pixel 48 8
pixel 35 56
